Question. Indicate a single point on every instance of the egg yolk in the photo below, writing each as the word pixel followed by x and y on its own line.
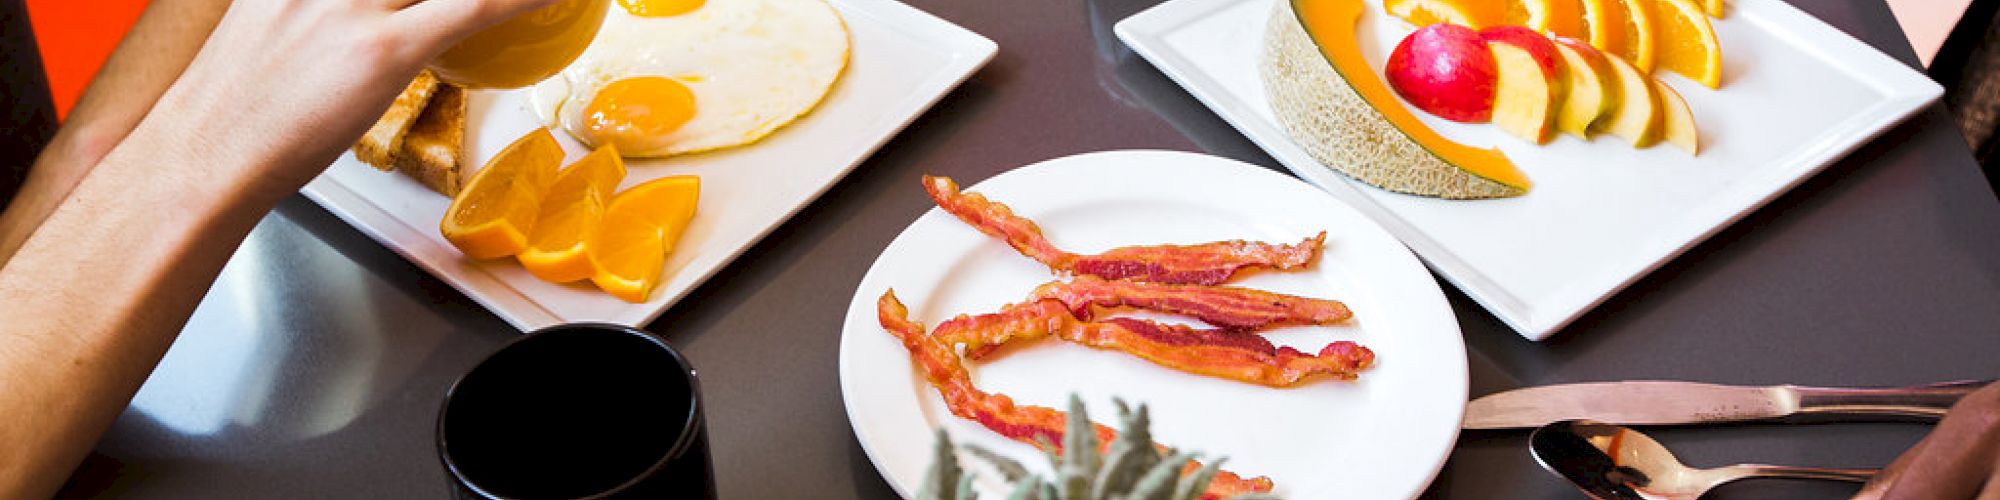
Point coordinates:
pixel 637 114
pixel 659 8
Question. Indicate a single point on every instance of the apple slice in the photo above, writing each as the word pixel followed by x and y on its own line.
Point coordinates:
pixel 1527 106
pixel 1589 94
pixel 1532 41
pixel 1444 69
pixel 1524 103
pixel 1676 120
pixel 1637 118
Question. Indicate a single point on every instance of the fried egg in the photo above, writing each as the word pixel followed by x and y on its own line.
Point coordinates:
pixel 668 77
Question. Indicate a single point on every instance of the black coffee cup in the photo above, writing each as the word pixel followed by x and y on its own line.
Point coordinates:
pixel 577 411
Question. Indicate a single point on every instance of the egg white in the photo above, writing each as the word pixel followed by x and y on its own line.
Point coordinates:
pixel 752 65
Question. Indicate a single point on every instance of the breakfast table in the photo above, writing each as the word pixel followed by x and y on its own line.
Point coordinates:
pixel 315 366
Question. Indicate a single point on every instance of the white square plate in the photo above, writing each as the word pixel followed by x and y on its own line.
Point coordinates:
pixel 902 60
pixel 1796 95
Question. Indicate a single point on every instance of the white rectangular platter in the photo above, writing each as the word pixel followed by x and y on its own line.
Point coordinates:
pixel 901 61
pixel 1797 95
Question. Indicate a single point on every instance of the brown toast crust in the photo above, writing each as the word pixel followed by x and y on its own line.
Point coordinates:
pixel 435 145
pixel 379 145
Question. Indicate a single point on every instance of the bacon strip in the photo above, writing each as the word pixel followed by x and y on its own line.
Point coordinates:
pixel 1227 354
pixel 1204 264
pixel 1228 308
pixel 1220 353
pixel 1029 424
pixel 998 221
pixel 1026 321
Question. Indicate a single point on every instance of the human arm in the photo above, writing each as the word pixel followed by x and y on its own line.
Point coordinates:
pixel 1959 459
pixel 94 297
pixel 154 53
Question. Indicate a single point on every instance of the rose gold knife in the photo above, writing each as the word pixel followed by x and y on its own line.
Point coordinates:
pixel 1674 403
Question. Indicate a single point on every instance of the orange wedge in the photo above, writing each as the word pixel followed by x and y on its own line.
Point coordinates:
pixel 490 218
pixel 1473 14
pixel 640 227
pixel 1687 42
pixel 1639 29
pixel 1604 20
pixel 1565 18
pixel 1533 14
pixel 1715 8
pixel 570 212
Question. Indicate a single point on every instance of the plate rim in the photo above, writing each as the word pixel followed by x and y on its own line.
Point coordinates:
pixel 861 312
pixel 967 51
pixel 1906 93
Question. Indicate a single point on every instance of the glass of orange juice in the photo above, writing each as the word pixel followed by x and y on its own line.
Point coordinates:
pixel 523 50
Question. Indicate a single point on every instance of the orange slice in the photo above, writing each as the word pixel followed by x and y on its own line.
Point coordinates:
pixel 1604 20
pixel 1533 14
pixel 1687 42
pixel 640 227
pixel 570 212
pixel 490 218
pixel 1715 8
pixel 1637 45
pixel 1473 14
pixel 1565 18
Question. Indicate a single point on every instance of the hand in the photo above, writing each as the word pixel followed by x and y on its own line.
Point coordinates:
pixel 1959 459
pixel 286 85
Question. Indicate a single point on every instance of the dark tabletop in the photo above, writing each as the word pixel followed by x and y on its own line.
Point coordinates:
pixel 315 365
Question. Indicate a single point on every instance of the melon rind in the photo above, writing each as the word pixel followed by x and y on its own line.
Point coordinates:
pixel 1345 133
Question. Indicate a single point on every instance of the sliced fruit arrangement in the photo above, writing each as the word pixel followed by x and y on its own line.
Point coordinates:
pixel 640 228
pixel 570 226
pixel 490 218
pixel 1331 102
pixel 1674 35
pixel 571 211
pixel 1531 86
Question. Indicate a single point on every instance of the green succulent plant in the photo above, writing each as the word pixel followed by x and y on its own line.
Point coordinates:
pixel 1130 469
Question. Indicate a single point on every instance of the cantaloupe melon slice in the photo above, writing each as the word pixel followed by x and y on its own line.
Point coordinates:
pixel 1354 124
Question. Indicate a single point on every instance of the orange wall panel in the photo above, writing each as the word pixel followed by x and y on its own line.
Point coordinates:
pixel 75 37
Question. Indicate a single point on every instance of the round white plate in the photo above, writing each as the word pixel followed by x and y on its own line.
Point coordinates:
pixel 1382 436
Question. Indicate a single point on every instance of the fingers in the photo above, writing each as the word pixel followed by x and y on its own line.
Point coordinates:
pixel 1992 491
pixel 441 22
pixel 1879 486
pixel 1959 457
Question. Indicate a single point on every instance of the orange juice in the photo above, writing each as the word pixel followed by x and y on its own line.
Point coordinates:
pixel 524 50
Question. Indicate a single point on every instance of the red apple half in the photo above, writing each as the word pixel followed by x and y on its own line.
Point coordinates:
pixel 1446 70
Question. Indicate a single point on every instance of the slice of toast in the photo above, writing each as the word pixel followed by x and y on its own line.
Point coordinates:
pixel 435 145
pixel 378 147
